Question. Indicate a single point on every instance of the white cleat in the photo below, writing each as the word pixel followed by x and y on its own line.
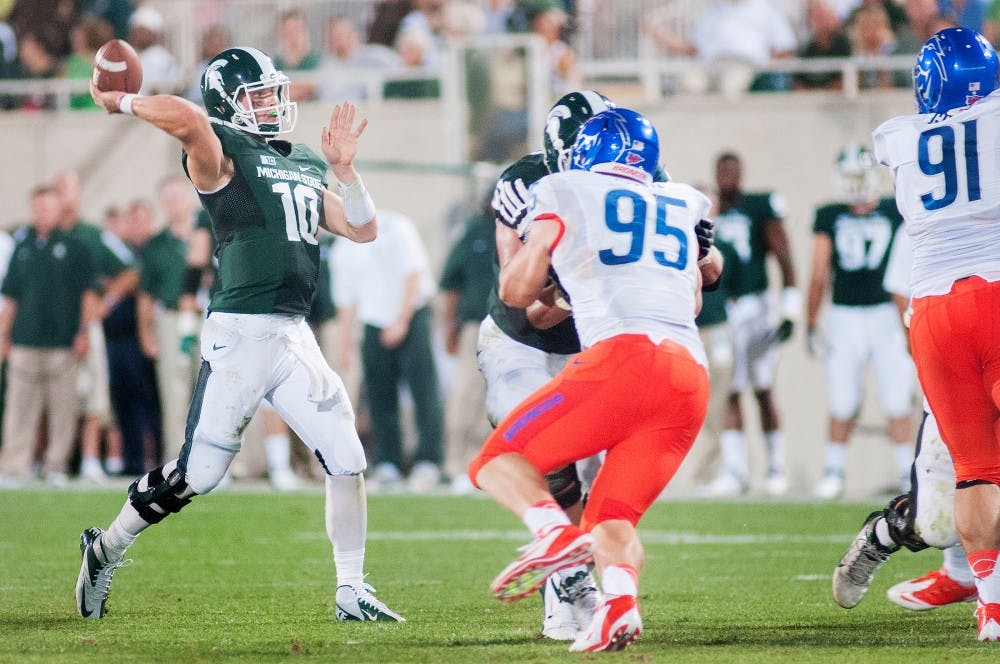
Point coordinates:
pixel 831 487
pixel 284 479
pixel 857 567
pixel 359 603
pixel 93 585
pixel 571 598
pixel 728 484
pixel 776 483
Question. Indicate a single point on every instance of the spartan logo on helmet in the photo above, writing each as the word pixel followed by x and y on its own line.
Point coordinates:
pixel 856 176
pixel 242 89
pixel 564 121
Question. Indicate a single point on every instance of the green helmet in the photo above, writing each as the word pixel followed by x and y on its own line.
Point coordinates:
pixel 231 82
pixel 856 176
pixel 564 121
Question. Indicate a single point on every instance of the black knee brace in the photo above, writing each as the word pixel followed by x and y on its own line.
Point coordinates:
pixel 564 485
pixel 901 515
pixel 162 496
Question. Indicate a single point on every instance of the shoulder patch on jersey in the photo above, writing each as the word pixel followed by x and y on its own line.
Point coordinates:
pixel 779 205
pixel 510 195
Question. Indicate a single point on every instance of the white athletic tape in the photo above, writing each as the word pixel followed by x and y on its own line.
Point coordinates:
pixel 114 66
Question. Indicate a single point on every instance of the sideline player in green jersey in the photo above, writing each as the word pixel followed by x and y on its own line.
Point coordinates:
pixel 267 199
pixel 852 239
pixel 752 225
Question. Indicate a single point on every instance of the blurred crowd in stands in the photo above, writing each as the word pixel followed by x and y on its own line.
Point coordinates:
pixel 405 40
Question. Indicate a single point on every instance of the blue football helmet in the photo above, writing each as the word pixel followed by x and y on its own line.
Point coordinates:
pixel 955 68
pixel 620 142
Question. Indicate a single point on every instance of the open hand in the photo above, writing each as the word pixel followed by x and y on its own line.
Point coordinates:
pixel 340 139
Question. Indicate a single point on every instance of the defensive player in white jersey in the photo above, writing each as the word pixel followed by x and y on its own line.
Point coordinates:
pixel 947 174
pixel 627 254
pixel 921 518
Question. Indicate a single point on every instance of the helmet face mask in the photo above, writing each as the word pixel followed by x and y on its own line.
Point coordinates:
pixel 618 142
pixel 564 121
pixel 955 68
pixel 236 81
pixel 856 175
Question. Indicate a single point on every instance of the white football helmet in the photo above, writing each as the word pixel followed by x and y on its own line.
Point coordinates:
pixel 856 175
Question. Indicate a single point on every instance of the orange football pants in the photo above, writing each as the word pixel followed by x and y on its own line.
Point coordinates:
pixel 643 403
pixel 956 347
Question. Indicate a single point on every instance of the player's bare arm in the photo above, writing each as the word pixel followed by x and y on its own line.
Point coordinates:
pixel 710 267
pixel 352 213
pixel 777 244
pixel 820 277
pixel 543 313
pixel 524 277
pixel 207 166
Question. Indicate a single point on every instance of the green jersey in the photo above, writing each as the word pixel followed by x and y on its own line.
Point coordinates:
pixel 742 228
pixel 861 246
pixel 265 221
pixel 47 278
pixel 108 254
pixel 468 269
pixel 161 274
pixel 561 338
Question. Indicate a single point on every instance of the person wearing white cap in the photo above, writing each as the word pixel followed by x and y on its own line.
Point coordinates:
pixel 160 70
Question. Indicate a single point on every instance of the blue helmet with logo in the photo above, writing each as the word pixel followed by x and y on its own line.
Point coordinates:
pixel 955 68
pixel 619 141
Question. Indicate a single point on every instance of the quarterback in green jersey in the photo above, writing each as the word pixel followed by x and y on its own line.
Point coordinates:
pixel 852 240
pixel 267 199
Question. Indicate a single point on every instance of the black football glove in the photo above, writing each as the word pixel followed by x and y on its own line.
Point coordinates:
pixel 705 232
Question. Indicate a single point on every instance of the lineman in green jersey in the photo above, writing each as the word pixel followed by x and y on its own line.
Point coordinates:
pixel 852 240
pixel 751 225
pixel 267 199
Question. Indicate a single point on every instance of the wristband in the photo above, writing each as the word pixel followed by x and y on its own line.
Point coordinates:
pixel 125 103
pixel 791 303
pixel 359 208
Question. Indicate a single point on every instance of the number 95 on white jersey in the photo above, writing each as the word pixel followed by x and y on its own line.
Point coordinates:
pixel 628 256
pixel 947 176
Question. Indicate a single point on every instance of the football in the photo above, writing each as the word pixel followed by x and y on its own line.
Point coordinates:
pixel 117 67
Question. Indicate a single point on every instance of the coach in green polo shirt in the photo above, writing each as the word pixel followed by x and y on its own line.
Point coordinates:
pixel 49 301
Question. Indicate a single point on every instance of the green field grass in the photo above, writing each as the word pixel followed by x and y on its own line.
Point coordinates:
pixel 249 577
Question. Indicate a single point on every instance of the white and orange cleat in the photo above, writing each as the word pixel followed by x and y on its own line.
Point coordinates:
pixel 615 626
pixel 988 617
pixel 930 591
pixel 557 548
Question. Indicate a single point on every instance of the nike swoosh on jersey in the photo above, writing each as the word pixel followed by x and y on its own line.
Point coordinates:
pixel 305 168
pixel 217 347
